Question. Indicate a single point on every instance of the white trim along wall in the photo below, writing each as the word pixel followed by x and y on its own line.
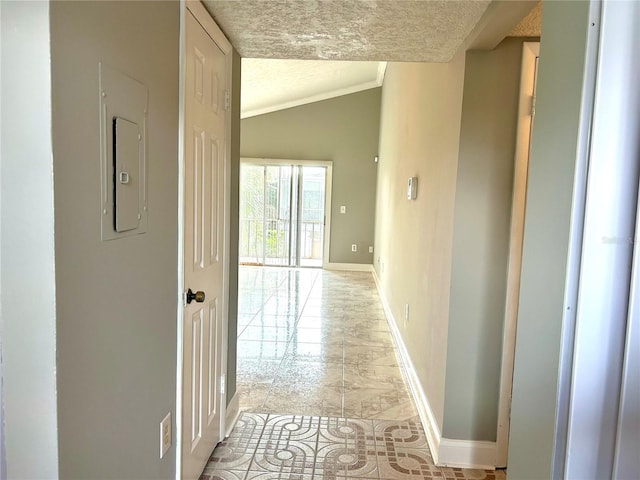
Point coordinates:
pixel 446 452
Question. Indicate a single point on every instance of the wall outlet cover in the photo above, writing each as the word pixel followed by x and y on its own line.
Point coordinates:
pixel 354 247
pixel 165 435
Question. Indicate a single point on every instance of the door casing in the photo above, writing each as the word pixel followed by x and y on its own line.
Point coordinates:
pixel 526 113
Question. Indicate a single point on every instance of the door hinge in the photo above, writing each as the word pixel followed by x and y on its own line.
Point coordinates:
pixel 223 383
pixel 227 100
pixel 532 109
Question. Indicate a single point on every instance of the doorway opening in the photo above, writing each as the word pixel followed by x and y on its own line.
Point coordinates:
pixel 284 213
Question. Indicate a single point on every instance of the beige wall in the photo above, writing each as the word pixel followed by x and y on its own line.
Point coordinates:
pixel 116 300
pixel 481 241
pixel 343 129
pixel 419 132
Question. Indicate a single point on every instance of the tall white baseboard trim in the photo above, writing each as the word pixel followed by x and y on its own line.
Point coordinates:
pixel 445 452
pixel 232 414
pixel 349 267
pixel 467 454
pixel 432 429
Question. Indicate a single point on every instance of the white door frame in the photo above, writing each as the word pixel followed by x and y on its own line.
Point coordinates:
pixel 203 17
pixel 526 111
pixel 327 191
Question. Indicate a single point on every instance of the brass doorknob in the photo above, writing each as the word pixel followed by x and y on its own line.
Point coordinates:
pixel 198 296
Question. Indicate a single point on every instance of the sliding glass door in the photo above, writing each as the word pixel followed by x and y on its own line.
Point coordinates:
pixel 282 214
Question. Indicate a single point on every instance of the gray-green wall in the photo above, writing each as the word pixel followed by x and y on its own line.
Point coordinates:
pixel 546 236
pixel 116 300
pixel 342 129
pixel 481 241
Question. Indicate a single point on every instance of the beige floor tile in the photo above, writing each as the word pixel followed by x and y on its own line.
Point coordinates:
pixel 252 371
pixel 368 338
pixel 252 396
pixel 299 375
pixel 314 352
pixel 364 375
pixel 369 355
pixel 260 350
pixel 281 333
pixel 264 320
pixel 320 401
pixel 371 402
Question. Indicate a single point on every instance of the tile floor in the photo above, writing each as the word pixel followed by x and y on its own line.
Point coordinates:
pixel 316 343
pixel 321 389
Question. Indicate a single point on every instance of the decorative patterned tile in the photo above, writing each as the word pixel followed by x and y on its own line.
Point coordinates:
pixel 345 460
pixel 397 463
pixel 284 457
pixel 472 474
pixel 346 431
pixel 222 475
pixel 297 428
pixel 403 434
pixel 277 476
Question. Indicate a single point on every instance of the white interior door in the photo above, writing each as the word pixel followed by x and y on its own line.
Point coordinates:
pixel 204 246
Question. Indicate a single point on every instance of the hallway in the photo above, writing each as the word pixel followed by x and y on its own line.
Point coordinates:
pixel 321 389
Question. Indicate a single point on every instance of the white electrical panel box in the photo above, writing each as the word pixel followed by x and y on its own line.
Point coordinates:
pixel 412 188
pixel 123 154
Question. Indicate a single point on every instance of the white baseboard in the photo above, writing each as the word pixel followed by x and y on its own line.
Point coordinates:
pixel 349 267
pixel 432 429
pixel 232 414
pixel 467 454
pixel 445 452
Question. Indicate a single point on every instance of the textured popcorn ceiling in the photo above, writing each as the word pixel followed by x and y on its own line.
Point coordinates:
pixel 269 85
pixel 530 25
pixel 391 30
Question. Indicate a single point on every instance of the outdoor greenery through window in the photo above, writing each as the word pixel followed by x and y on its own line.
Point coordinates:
pixel 282 215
